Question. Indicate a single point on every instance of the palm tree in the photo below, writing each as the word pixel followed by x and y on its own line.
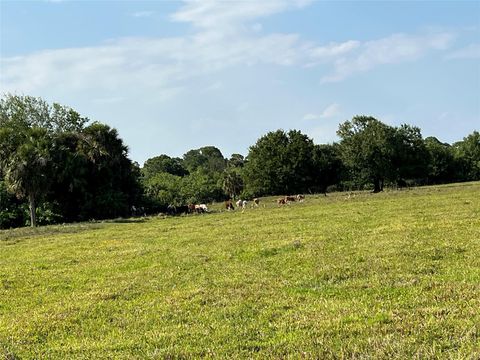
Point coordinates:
pixel 27 169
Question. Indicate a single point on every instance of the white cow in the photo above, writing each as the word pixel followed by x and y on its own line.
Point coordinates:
pixel 201 208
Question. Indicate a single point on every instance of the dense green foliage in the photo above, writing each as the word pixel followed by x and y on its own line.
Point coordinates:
pixel 367 150
pixel 467 154
pixel 12 213
pixel 28 127
pixel 329 168
pixel 280 163
pixel 63 168
pixel 377 153
pixel 163 164
pixel 196 178
pixel 388 276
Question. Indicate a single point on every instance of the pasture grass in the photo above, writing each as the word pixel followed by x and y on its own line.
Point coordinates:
pixel 391 275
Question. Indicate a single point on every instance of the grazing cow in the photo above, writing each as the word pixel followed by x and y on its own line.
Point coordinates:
pixel 191 208
pixel 290 199
pixel 177 210
pixel 202 208
pixel 140 211
pixel 229 205
pixel 256 201
pixel 300 197
pixel 281 201
pixel 184 209
pixel 171 210
pixel 244 204
pixel 239 203
pixel 350 194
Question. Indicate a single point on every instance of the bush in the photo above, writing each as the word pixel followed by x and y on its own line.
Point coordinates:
pixel 12 218
pixel 47 214
pixel 11 211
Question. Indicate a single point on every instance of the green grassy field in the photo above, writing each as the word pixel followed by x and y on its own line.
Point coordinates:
pixel 391 275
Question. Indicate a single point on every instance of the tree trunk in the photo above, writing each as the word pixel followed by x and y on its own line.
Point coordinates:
pixel 377 185
pixel 33 208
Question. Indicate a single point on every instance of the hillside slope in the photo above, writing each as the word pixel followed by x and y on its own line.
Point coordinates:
pixel 390 275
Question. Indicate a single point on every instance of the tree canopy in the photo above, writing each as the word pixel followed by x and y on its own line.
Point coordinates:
pixel 367 149
pixel 280 162
pixel 164 164
pixel 49 156
pixel 19 111
pixel 467 152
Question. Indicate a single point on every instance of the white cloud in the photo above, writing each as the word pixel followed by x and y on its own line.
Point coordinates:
pixel 129 66
pixel 142 14
pixel 472 51
pixel 393 49
pixel 330 111
pixel 334 49
pixel 324 133
pixel 215 14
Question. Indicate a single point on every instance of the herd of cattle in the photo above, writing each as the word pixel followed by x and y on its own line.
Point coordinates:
pixel 255 203
pixel 187 209
pixel 240 204
pixel 288 199
pixel 229 205
pixel 202 208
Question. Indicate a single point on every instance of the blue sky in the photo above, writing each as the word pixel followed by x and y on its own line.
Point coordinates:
pixel 176 75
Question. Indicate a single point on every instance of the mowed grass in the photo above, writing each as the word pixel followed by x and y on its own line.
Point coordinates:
pixel 391 275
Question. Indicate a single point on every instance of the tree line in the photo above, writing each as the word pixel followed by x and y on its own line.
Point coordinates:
pixel 56 166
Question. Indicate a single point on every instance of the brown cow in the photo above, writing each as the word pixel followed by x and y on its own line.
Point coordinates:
pixel 290 199
pixel 229 205
pixel 281 201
